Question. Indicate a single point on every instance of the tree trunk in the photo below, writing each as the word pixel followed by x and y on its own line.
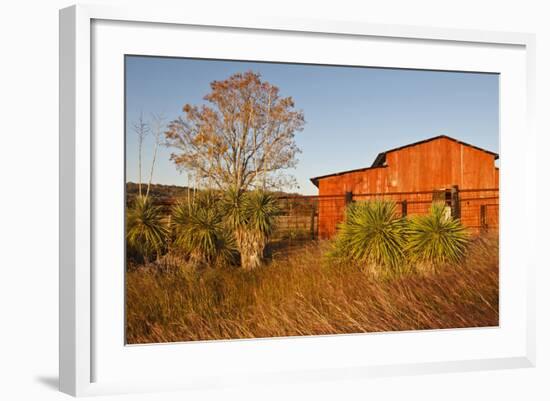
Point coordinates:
pixel 251 247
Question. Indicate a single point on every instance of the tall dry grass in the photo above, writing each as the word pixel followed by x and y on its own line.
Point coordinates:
pixel 301 295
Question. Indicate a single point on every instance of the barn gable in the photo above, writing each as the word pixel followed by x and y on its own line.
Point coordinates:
pixel 437 154
pixel 381 158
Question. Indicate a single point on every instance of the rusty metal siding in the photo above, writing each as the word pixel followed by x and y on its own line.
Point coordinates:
pixel 438 164
pixel 331 210
pixel 373 180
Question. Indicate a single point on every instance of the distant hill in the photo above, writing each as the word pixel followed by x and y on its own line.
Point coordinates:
pixel 160 192
pixel 169 193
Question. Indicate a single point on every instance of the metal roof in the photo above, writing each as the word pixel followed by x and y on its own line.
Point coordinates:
pixel 380 160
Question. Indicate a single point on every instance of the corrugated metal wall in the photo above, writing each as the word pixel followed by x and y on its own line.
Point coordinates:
pixel 433 165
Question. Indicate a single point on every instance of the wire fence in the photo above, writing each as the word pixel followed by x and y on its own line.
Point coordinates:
pixel 306 218
pixel 317 217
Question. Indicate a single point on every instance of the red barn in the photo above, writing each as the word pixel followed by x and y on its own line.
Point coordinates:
pixel 416 174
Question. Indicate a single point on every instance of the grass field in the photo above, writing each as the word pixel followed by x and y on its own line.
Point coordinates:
pixel 304 294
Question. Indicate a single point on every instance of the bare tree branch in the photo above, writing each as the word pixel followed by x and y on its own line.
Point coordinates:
pixel 158 127
pixel 243 137
pixel 141 129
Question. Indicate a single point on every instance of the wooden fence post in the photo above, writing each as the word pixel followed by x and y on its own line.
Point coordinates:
pixel 348 197
pixel 312 218
pixel 288 222
pixel 455 202
pixel 483 217
pixel 404 208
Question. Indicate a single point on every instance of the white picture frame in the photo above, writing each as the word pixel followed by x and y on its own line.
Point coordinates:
pixel 81 346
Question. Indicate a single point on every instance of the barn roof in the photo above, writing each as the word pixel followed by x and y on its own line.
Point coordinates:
pixel 380 160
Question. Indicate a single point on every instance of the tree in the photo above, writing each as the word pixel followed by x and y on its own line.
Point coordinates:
pixel 242 138
pixel 157 129
pixel 141 128
pixel 251 216
pixel 145 229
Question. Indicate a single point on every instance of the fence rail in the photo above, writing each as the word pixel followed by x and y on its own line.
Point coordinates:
pixel 310 217
pixel 307 217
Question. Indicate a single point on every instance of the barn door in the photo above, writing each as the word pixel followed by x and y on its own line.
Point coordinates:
pixel 449 197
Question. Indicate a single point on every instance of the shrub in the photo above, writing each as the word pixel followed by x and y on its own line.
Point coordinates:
pixel 251 217
pixel 371 233
pixel 261 209
pixel 436 238
pixel 146 231
pixel 199 231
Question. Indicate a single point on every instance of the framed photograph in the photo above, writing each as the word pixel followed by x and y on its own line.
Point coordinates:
pixel 275 200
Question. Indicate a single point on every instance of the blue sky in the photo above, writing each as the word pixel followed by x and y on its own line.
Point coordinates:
pixel 351 113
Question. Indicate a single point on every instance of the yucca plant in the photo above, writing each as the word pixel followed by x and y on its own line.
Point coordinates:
pixel 199 232
pixel 146 231
pixel 251 217
pixel 371 233
pixel 436 238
